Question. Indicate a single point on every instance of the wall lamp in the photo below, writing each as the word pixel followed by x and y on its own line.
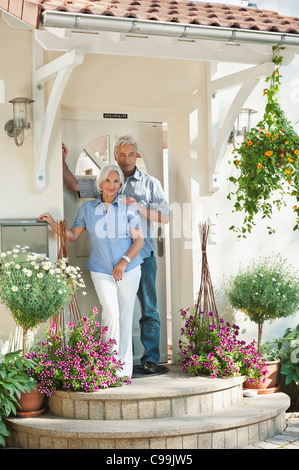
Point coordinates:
pixel 242 125
pixel 15 127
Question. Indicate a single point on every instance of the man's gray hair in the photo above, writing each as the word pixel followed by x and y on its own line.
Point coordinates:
pixel 105 172
pixel 125 139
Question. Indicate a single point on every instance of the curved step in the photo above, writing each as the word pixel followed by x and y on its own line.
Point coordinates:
pixel 175 393
pixel 245 423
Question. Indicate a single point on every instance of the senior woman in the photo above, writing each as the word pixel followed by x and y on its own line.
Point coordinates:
pixel 116 240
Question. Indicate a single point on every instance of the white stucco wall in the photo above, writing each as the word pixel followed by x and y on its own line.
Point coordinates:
pixel 18 197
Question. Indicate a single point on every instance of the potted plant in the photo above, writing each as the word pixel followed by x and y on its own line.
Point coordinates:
pixel 35 289
pixel 267 289
pixel 267 162
pixel 78 359
pixel 287 349
pixel 214 349
pixel 13 381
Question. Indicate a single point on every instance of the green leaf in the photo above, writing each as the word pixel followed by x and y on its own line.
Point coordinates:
pixel 289 379
pixel 3 430
pixel 286 369
pixel 2 441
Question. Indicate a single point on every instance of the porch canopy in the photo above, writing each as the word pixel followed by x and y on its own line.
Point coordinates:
pixel 176 29
pixel 209 29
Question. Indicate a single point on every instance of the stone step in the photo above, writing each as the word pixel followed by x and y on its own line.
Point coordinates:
pixel 175 393
pixel 244 423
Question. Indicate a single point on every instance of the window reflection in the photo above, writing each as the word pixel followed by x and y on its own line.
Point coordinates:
pixel 93 157
pixel 97 154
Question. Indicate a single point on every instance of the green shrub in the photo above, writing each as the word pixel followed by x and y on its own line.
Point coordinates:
pixel 13 381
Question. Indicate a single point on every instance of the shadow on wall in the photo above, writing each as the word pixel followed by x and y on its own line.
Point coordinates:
pixel 248 331
pixel 11 336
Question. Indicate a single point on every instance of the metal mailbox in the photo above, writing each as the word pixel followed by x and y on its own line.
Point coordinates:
pixel 24 232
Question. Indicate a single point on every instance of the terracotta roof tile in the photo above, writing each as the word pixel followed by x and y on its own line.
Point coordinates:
pixel 176 11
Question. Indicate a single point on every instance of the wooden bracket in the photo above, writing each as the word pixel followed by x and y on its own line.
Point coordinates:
pixel 43 120
pixel 218 136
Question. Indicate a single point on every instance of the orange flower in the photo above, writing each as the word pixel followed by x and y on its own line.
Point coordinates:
pixel 281 155
pixel 276 135
pixel 249 142
pixel 282 130
pixel 268 153
pixel 268 134
pixel 290 159
pixel 295 207
pixel 264 92
pixel 296 152
pixel 259 166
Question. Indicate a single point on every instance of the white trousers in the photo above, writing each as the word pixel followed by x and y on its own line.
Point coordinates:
pixel 117 300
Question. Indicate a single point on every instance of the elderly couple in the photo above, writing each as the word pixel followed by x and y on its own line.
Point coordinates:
pixel 122 257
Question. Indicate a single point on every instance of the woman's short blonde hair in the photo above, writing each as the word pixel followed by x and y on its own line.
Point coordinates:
pixel 105 172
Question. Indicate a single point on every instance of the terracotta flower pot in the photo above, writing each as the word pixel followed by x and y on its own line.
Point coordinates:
pixel 30 403
pixel 270 384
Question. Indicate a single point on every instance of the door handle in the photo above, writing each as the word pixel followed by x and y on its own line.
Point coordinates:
pixel 160 242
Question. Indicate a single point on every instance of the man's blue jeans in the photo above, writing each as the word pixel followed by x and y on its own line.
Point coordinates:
pixel 150 319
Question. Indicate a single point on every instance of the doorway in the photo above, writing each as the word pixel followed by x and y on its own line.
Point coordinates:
pixel 90 143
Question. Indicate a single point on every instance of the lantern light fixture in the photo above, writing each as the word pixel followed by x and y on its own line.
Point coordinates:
pixel 242 125
pixel 15 127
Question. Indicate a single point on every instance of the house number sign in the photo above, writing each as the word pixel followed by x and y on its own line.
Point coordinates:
pixel 115 116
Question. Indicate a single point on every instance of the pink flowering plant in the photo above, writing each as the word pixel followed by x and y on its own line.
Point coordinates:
pixel 213 349
pixel 87 363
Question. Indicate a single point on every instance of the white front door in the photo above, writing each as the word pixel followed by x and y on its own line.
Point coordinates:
pixel 90 144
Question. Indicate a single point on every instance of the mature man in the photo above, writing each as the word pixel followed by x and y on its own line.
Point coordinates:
pixel 146 194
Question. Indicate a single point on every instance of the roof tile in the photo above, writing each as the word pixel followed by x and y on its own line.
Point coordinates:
pixel 171 11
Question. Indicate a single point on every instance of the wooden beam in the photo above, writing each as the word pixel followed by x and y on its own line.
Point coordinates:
pixel 236 78
pixel 43 120
pixel 48 71
pixel 217 139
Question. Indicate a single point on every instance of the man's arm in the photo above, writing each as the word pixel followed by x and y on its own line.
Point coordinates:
pixel 86 188
pixel 69 179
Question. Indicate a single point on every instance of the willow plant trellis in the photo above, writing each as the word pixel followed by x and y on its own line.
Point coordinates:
pixel 206 300
pixel 72 310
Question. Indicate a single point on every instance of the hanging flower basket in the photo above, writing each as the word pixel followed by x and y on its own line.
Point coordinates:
pixel 268 163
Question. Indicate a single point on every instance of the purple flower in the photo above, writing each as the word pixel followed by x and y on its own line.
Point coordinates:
pixel 214 350
pixel 86 363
